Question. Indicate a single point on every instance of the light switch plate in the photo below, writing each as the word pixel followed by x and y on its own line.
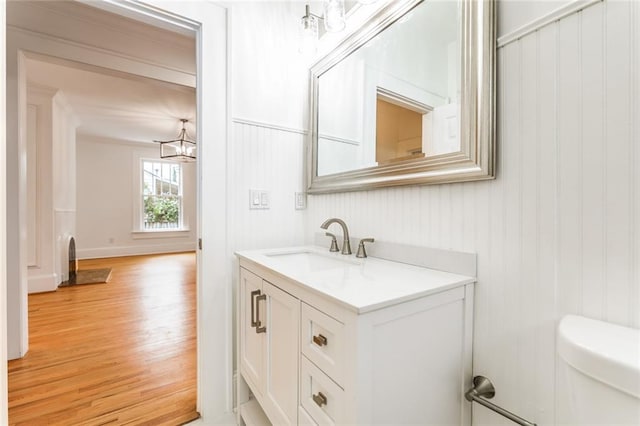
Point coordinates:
pixel 259 199
pixel 264 199
pixel 301 200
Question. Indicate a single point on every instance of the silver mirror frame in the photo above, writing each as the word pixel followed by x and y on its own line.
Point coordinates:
pixel 476 159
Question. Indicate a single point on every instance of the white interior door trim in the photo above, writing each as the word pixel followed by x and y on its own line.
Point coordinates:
pixel 3 223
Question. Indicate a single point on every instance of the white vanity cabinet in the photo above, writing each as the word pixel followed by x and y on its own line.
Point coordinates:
pixel 367 344
pixel 269 329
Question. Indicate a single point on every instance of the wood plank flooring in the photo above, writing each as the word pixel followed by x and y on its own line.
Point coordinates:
pixel 112 354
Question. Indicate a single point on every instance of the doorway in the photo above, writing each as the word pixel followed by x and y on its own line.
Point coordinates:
pixel 214 292
pixel 102 125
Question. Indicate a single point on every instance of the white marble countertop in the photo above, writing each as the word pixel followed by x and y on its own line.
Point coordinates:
pixel 361 285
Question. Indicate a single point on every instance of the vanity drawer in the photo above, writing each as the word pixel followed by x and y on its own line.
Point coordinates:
pixel 320 397
pixel 304 418
pixel 323 342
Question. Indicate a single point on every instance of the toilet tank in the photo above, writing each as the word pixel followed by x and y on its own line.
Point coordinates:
pixel 599 373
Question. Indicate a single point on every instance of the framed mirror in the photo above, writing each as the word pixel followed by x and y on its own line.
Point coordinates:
pixel 407 99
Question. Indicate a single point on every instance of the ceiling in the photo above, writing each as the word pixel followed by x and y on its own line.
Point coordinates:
pixel 115 105
pixel 110 104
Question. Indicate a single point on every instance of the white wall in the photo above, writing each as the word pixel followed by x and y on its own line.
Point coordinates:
pixel 108 184
pixel 558 231
pixel 268 78
pixel 269 84
pixel 3 226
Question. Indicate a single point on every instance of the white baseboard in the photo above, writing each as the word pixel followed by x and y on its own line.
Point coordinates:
pixel 42 283
pixel 100 252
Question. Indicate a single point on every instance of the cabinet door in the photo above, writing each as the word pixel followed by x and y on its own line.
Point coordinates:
pixel 282 355
pixel 251 343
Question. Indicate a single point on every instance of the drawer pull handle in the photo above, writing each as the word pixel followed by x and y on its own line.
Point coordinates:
pixel 254 323
pixel 320 340
pixel 259 328
pixel 319 399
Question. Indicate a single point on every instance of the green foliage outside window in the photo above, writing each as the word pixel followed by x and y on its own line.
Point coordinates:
pixel 161 210
pixel 162 199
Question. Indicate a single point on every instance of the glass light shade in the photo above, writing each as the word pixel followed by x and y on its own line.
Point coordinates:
pixel 334 15
pixel 365 2
pixel 308 34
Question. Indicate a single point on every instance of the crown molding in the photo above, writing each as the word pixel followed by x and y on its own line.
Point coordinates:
pixel 89 12
pixel 175 75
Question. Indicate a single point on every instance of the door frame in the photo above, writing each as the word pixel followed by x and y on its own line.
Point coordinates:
pixel 214 319
pixel 4 403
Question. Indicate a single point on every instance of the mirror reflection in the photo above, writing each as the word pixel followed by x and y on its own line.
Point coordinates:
pixel 397 97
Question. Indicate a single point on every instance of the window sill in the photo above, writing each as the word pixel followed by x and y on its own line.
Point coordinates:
pixel 160 233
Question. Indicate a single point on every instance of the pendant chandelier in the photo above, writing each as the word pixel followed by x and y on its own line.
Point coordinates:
pixel 180 149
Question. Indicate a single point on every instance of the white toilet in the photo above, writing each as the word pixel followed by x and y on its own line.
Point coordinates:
pixel 599 373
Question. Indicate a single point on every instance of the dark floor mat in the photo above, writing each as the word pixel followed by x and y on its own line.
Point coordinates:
pixel 89 276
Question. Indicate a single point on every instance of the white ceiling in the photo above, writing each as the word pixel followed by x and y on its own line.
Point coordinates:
pixel 115 105
pixel 110 104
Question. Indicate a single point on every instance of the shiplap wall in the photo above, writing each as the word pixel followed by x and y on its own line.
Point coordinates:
pixel 269 107
pixel 558 231
pixel 270 159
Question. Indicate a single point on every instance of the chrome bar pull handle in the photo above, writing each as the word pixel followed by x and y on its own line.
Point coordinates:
pixel 260 329
pixel 254 323
pixel 483 388
pixel 320 340
pixel 319 399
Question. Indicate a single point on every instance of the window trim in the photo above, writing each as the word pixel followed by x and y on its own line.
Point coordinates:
pixel 139 231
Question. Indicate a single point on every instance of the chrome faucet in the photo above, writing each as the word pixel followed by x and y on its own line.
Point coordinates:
pixel 346 245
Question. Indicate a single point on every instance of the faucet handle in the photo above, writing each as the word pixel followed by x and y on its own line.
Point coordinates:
pixel 334 242
pixel 361 251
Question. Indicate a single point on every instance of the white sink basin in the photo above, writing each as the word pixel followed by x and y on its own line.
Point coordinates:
pixel 361 285
pixel 312 261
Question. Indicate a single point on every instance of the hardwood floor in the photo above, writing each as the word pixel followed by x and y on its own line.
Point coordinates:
pixel 117 353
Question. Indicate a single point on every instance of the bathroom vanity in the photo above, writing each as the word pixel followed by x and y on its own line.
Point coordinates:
pixel 325 338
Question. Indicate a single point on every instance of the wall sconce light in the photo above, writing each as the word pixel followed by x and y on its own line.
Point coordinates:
pixel 334 15
pixel 181 149
pixel 308 32
pixel 334 21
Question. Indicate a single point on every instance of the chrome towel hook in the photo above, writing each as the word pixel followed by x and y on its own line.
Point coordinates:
pixel 483 388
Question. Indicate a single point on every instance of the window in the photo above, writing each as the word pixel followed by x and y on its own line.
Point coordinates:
pixel 161 195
